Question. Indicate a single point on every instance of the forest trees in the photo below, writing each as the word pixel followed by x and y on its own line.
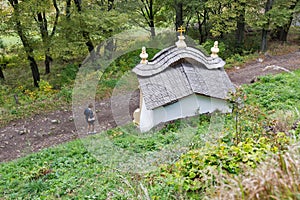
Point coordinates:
pixel 47 27
pixel 287 10
pixel 20 29
pixel 148 12
pixel 42 21
pixel 52 30
pixel 142 13
pixel 266 25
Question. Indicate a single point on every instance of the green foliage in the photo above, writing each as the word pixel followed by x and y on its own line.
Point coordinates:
pixel 228 52
pixel 65 94
pixel 69 171
pixel 64 172
pixel 197 170
pixel 234 59
pixel 29 101
pixel 129 138
pixel 297 131
pixel 276 93
pixel 125 63
pixel 223 19
pixel 68 74
pixel 244 143
pixel 278 177
pixel 192 171
pixel 44 91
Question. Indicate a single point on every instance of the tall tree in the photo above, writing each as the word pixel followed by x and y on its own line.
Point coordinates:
pixel 179 13
pixel 222 17
pixel 202 15
pixel 42 21
pixel 190 13
pixel 240 24
pixel 87 23
pixel 85 34
pixel 148 13
pixel 142 12
pixel 26 44
pixel 265 30
pixel 110 46
pixel 288 10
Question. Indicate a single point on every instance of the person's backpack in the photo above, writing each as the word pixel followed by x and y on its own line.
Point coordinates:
pixel 89 115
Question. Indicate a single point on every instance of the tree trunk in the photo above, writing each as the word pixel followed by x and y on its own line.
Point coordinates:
pixel 34 70
pixel 89 44
pixel 151 17
pixel 201 26
pixel 206 26
pixel 179 14
pixel 240 30
pixel 48 39
pixel 153 34
pixel 264 33
pixel 280 33
pixel 48 61
pixel 109 48
pixel 148 14
pixel 43 25
pixel 26 45
pixel 1 72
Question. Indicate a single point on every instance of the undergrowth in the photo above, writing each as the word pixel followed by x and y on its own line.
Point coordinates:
pixel 255 155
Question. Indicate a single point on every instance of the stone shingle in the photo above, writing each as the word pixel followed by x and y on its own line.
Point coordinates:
pixel 176 73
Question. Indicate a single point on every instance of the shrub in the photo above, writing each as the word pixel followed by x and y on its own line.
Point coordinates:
pixel 277 178
pixel 44 91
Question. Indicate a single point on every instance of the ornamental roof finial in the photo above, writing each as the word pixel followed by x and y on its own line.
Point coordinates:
pixel 144 56
pixel 181 30
pixel 215 50
pixel 180 43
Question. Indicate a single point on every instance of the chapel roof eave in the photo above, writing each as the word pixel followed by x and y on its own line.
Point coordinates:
pixel 171 55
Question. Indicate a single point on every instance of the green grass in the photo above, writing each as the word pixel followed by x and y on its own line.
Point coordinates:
pixel 67 171
pixel 107 164
pixel 76 169
pixel 281 92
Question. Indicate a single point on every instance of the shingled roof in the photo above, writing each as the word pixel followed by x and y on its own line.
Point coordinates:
pixel 175 73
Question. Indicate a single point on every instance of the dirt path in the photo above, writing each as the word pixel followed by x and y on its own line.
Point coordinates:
pixel 23 137
pixel 260 67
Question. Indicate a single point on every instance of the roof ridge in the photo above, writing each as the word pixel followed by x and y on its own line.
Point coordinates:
pixel 171 55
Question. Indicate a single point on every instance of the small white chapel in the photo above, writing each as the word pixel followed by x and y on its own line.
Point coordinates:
pixel 180 82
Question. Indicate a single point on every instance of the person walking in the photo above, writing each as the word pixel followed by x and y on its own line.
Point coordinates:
pixel 90 118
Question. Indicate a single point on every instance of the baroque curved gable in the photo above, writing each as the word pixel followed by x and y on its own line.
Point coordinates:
pixel 170 56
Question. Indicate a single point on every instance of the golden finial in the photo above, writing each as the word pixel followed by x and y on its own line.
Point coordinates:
pixel 181 30
pixel 180 43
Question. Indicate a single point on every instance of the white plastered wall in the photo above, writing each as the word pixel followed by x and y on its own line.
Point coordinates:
pixel 188 106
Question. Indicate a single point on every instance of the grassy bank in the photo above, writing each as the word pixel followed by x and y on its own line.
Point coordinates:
pixel 201 156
